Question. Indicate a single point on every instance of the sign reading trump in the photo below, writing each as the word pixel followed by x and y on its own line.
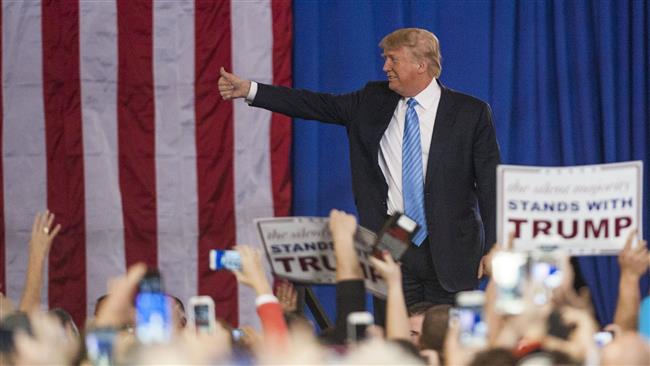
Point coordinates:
pixel 301 249
pixel 584 210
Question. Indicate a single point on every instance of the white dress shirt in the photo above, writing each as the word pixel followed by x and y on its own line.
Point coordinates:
pixel 390 146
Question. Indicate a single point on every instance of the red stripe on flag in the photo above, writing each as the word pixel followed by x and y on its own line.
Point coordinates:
pixel 281 124
pixel 3 277
pixel 136 135
pixel 214 149
pixel 64 146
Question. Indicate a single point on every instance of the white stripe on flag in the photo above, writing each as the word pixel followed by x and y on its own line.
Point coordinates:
pixel 252 42
pixel 98 72
pixel 173 59
pixel 23 136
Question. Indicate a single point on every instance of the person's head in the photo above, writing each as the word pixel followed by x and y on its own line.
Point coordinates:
pixel 66 321
pixel 412 60
pixel 179 320
pixel 416 317
pixel 434 328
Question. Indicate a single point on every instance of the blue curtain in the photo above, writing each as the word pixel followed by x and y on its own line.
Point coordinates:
pixel 568 82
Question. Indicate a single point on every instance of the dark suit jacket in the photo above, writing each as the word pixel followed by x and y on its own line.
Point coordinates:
pixel 459 188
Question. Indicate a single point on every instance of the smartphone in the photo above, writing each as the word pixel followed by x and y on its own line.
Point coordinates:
pixel 510 273
pixel 358 322
pixel 153 315
pixel 395 236
pixel 99 346
pixel 224 259
pixel 202 314
pixel 546 273
pixel 469 313
pixel 603 338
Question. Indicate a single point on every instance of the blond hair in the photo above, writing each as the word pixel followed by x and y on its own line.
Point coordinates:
pixel 423 45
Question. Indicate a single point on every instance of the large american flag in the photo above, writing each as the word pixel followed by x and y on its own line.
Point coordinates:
pixel 111 118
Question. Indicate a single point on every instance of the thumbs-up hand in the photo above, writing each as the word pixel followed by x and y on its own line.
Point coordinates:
pixel 231 86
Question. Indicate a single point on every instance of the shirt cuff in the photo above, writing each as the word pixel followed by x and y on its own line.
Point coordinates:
pixel 252 92
pixel 265 299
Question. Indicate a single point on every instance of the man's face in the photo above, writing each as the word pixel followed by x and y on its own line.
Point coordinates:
pixel 415 323
pixel 403 71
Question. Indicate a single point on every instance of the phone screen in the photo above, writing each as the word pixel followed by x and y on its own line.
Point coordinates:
pixel 99 346
pixel 510 272
pixel 153 317
pixel 473 330
pixel 202 317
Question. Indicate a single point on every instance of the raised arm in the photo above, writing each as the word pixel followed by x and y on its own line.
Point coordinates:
pixel 350 289
pixel 39 247
pixel 268 307
pixel 634 263
pixel 397 319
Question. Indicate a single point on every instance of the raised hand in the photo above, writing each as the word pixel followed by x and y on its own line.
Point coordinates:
pixel 115 311
pixel 231 86
pixel 288 296
pixel 633 259
pixel 39 245
pixel 252 270
pixel 42 234
pixel 343 226
pixel 388 269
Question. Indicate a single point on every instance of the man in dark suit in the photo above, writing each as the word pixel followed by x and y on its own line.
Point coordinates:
pixel 415 147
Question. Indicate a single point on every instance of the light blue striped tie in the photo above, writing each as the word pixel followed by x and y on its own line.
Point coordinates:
pixel 412 176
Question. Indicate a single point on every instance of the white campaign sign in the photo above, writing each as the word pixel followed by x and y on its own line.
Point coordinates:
pixel 582 209
pixel 301 249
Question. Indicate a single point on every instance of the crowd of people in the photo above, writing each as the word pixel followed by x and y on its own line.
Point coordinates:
pixel 559 331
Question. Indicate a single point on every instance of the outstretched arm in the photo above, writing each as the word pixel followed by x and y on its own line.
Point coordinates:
pixel 39 247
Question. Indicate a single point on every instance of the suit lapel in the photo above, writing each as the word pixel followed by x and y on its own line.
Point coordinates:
pixel 441 131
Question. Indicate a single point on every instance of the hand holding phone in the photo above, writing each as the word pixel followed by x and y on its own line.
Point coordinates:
pixel 395 236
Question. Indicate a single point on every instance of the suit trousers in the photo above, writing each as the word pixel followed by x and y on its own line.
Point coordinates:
pixel 419 279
